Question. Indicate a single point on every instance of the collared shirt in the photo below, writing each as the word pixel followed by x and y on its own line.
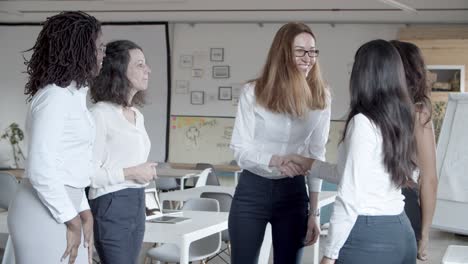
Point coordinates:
pixel 259 133
pixel 61 137
pixel 119 144
pixel 365 186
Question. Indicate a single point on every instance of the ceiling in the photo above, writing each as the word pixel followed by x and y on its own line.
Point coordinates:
pixel 235 11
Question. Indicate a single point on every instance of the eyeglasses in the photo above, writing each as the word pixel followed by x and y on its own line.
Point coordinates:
pixel 311 53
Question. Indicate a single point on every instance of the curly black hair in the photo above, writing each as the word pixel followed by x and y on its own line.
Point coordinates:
pixel 65 51
pixel 112 84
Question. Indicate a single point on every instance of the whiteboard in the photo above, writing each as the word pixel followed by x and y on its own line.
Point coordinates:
pixel 15 38
pixel 451 212
pixel 198 139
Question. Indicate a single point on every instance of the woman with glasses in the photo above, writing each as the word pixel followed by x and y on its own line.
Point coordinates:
pixel 50 211
pixel 117 193
pixel 420 201
pixel 375 161
pixel 285 110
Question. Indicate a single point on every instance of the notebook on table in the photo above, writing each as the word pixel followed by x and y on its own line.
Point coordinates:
pixel 155 213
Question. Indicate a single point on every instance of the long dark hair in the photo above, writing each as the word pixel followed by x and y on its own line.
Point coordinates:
pixel 65 51
pixel 415 73
pixel 378 91
pixel 112 84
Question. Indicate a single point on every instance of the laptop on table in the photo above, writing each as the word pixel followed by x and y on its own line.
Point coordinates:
pixel 155 213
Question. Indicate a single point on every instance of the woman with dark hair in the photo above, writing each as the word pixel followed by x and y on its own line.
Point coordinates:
pixel 120 153
pixel 285 110
pixel 376 159
pixel 50 210
pixel 420 201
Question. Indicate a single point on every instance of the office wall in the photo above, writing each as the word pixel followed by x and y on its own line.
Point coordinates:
pixel 245 49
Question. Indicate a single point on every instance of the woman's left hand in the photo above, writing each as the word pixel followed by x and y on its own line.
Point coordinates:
pixel 87 226
pixel 326 260
pixel 422 248
pixel 313 231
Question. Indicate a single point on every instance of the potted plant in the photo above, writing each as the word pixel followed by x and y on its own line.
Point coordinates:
pixel 14 135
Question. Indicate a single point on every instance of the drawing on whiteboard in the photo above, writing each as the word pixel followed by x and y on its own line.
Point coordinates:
pixel 192 135
pixel 195 139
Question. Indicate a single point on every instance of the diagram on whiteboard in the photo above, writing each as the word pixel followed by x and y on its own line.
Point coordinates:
pixel 195 139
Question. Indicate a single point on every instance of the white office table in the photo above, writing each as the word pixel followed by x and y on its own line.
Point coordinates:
pixel 184 195
pixel 325 198
pixel 182 174
pixel 200 225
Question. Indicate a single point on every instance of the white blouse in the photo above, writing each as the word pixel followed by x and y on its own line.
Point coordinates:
pixel 258 134
pixel 119 144
pixel 61 137
pixel 365 187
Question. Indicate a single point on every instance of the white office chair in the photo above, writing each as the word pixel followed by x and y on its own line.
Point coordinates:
pixel 203 177
pixel 212 177
pixel 225 201
pixel 8 186
pixel 199 250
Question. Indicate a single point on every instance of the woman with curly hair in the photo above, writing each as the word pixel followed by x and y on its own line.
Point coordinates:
pixel 50 211
pixel 120 152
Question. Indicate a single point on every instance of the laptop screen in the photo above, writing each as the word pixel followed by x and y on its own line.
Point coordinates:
pixel 152 204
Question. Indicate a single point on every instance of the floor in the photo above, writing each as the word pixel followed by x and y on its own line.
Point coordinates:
pixel 438 244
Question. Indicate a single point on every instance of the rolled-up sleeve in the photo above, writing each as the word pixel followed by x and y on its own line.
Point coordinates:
pixel 47 122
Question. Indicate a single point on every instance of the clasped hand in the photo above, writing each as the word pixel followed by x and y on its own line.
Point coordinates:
pixel 292 164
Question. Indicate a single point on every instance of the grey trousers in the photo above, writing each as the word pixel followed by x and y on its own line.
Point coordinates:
pixel 37 237
pixel 119 225
pixel 380 239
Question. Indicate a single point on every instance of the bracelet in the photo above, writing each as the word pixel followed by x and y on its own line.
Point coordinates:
pixel 315 212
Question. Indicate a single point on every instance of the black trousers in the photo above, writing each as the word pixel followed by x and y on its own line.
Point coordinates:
pixel 119 225
pixel 257 201
pixel 413 210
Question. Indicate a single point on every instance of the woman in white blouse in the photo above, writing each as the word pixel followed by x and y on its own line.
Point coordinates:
pixel 376 159
pixel 121 151
pixel 50 211
pixel 285 110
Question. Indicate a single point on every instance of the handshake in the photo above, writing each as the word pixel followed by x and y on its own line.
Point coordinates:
pixel 292 164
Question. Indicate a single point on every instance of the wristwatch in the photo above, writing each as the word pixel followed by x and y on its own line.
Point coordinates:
pixel 315 212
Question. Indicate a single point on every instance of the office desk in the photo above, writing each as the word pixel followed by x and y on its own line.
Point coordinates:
pixel 220 167
pixel 181 174
pixel 325 198
pixel 184 195
pixel 201 224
